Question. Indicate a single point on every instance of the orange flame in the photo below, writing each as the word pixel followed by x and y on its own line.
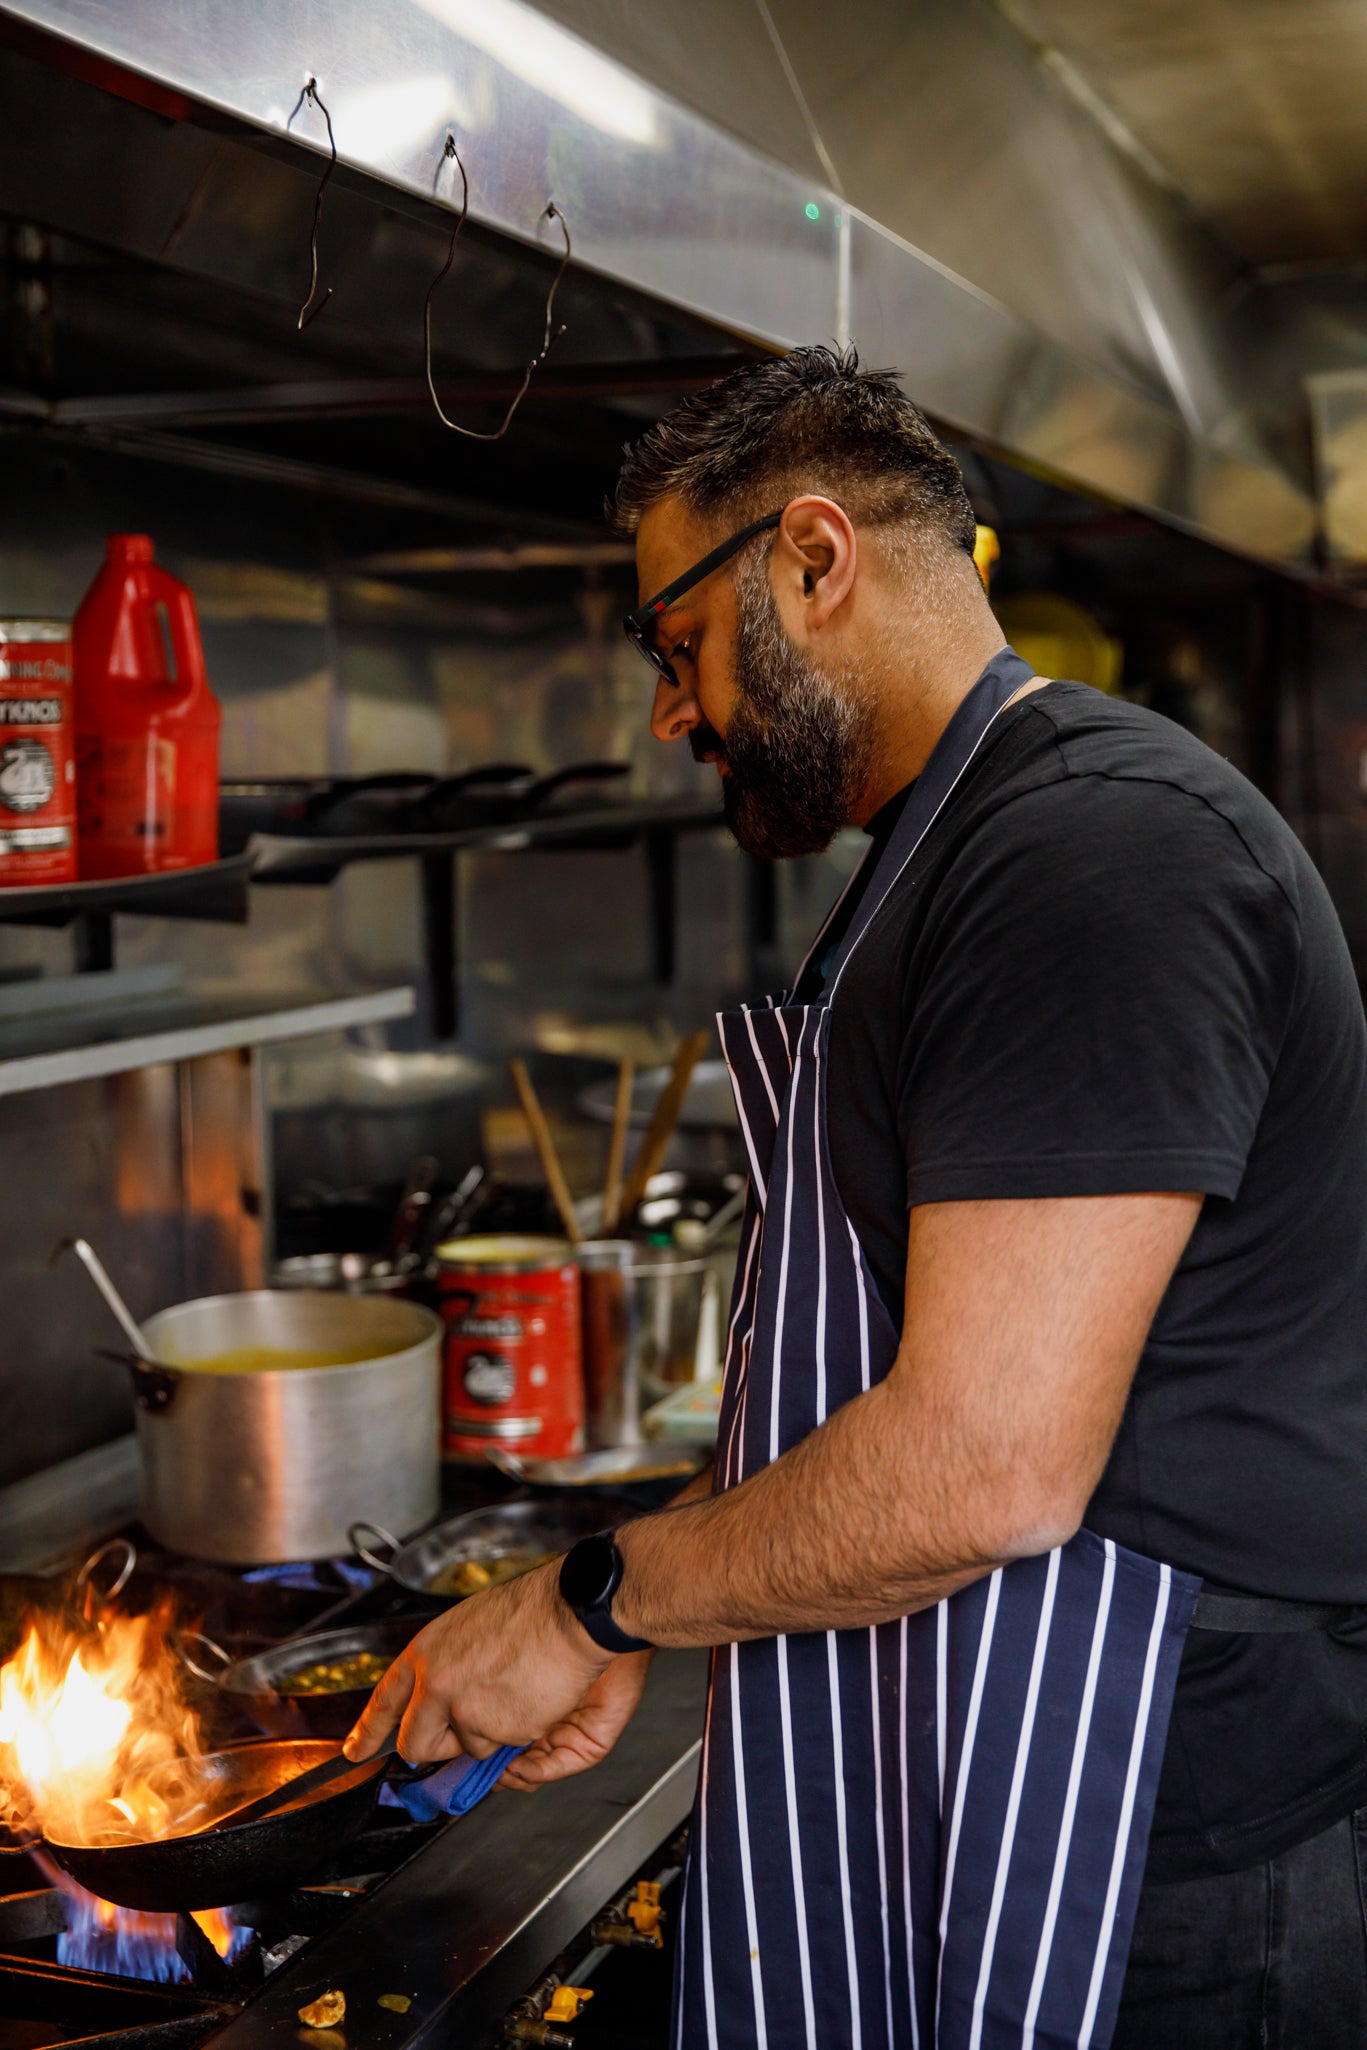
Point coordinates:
pixel 86 1720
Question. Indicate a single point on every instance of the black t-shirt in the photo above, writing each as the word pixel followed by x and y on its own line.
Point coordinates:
pixel 1112 967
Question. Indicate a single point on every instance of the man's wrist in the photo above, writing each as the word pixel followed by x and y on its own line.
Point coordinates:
pixel 576 1637
pixel 590 1582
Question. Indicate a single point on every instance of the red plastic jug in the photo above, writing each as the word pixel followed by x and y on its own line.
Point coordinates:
pixel 147 723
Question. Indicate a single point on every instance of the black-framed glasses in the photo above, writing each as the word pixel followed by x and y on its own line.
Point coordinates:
pixel 639 625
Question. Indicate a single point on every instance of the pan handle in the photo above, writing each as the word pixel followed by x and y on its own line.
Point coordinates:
pixel 355 1533
pixel 153 1386
pixel 120 1548
pixel 399 1772
pixel 197 1637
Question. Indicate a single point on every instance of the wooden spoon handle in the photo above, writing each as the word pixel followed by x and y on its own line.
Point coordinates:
pixel 545 1147
pixel 656 1141
pixel 617 1146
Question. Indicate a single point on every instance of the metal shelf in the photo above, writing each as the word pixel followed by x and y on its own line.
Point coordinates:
pixel 278 858
pixel 219 892
pixel 73 1045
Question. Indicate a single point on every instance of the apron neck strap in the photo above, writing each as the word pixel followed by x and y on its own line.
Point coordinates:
pixel 949 758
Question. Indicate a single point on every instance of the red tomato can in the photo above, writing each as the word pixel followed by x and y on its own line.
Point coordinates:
pixel 37 757
pixel 513 1373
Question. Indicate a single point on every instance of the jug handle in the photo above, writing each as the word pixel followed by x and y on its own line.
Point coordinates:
pixel 183 623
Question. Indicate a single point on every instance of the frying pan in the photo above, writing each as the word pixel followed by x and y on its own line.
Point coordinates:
pixel 212 1868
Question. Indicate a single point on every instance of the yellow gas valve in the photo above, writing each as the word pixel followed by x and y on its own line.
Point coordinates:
pixel 566 2001
pixel 645 1911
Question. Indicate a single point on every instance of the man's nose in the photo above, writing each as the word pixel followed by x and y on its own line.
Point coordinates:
pixel 675 712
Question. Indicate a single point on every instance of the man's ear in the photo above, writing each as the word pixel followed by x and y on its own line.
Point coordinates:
pixel 814 562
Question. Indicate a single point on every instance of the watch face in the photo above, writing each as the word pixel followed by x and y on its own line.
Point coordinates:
pixel 589 1572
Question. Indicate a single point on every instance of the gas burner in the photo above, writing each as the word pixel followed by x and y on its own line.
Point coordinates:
pixel 407 1920
pixel 72 1968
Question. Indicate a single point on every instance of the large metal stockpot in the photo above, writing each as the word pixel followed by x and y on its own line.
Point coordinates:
pixel 251 1468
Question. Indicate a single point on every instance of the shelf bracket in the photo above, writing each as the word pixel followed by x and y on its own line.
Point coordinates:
pixel 661 845
pixel 92 941
pixel 440 911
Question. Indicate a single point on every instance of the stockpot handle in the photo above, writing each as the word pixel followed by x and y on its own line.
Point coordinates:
pixel 117 1548
pixel 215 1650
pixel 153 1386
pixel 356 1531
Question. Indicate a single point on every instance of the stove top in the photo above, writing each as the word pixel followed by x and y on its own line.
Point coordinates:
pixel 415 1920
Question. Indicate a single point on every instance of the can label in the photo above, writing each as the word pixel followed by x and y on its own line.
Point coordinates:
pixel 37 767
pixel 513 1362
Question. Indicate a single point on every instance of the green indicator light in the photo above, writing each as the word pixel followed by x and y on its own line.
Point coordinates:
pixel 813 211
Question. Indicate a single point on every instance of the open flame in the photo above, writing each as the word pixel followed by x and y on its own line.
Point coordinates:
pixel 92 1723
pixel 102 1938
pixel 87 1717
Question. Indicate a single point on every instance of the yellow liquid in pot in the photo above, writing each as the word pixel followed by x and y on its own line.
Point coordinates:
pixel 272 1359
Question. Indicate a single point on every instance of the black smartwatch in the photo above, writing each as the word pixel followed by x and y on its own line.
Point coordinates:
pixel 590 1576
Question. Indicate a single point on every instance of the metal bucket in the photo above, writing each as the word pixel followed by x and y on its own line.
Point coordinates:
pixel 641 1307
pixel 254 1468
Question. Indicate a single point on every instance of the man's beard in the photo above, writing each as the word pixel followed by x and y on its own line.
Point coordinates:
pixel 799 742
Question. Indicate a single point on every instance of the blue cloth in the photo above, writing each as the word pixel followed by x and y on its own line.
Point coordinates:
pixel 452 1791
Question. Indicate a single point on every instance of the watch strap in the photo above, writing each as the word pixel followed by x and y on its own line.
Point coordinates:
pixel 595 1614
pixel 610 1636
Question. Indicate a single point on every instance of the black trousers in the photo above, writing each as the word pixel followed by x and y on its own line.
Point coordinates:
pixel 1271 1958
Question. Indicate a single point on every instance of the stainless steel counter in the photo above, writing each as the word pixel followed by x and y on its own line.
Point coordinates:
pixel 469 1922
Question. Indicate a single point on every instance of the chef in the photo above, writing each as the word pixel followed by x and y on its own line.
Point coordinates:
pixel 1034 1554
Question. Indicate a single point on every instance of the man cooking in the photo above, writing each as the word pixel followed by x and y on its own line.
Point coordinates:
pixel 1050 1308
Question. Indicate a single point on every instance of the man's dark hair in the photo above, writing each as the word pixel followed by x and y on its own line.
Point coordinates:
pixel 810 421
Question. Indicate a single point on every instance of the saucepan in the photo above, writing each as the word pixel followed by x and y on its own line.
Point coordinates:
pixel 472 1552
pixel 269 1420
pixel 211 1867
pixel 300 1688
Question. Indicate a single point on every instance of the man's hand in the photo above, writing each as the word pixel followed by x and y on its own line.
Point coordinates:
pixel 507 1666
pixel 589 1733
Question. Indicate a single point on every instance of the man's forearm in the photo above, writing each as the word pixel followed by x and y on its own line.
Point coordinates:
pixel 826 1537
pixel 984 1443
pixel 699 1489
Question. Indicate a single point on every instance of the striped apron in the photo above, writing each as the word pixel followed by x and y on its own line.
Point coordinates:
pixel 932 1832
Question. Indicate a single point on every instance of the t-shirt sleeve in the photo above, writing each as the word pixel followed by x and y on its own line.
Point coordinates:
pixel 1097 1001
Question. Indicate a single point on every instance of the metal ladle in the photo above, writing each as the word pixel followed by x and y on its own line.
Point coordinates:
pixel 98 1273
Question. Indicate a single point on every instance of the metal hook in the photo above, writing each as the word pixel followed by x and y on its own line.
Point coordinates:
pixel 309 91
pixel 449 153
pixel 550 336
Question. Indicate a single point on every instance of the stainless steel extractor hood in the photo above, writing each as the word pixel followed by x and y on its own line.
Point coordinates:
pixel 912 181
